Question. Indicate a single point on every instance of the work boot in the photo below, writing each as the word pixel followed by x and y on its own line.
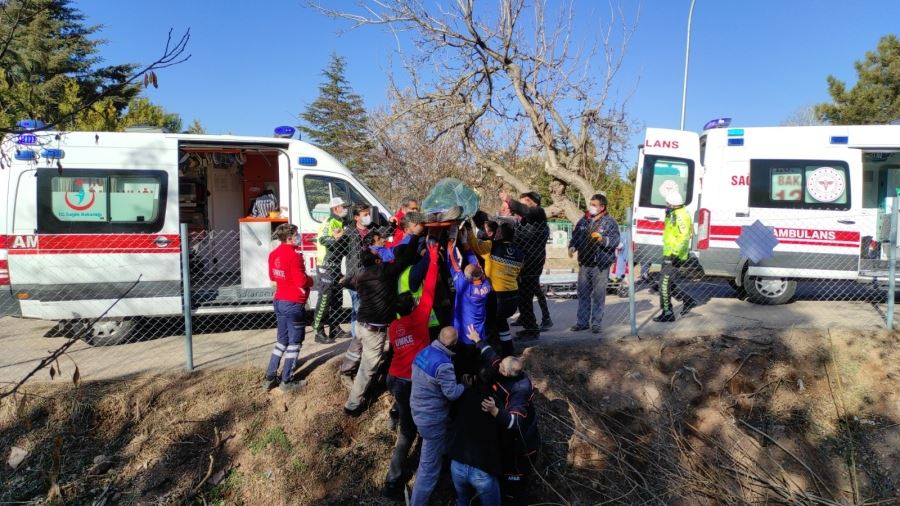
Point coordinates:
pixel 687 306
pixel 321 338
pixel 290 386
pixel 528 335
pixel 546 324
pixel 393 490
pixel 269 384
pixel 339 333
pixel 665 317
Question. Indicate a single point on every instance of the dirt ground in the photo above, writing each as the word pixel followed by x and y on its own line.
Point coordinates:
pixel 782 417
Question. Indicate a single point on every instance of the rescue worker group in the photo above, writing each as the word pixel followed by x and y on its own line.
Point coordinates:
pixel 432 296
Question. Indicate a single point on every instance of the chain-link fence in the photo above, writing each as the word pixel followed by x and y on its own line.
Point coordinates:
pixel 125 298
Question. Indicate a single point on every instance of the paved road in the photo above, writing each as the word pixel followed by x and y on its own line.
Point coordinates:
pixel 23 342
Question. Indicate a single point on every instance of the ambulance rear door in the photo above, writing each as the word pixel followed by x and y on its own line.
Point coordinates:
pixel 669 161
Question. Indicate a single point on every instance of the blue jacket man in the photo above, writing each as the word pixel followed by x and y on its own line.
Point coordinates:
pixel 434 387
pixel 595 239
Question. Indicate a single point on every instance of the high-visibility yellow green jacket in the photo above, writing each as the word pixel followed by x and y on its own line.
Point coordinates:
pixel 403 286
pixel 326 240
pixel 677 234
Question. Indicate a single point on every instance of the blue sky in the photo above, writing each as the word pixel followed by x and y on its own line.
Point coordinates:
pixel 255 65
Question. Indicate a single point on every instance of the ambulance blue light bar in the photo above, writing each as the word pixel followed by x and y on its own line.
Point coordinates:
pixel 307 161
pixel 27 139
pixel 26 155
pixel 30 124
pixel 53 154
pixel 839 139
pixel 736 141
pixel 285 132
pixel 717 123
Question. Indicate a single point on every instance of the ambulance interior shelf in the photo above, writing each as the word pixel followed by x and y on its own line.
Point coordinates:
pixel 257 242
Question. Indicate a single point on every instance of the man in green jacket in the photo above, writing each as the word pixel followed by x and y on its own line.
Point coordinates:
pixel 676 245
pixel 329 257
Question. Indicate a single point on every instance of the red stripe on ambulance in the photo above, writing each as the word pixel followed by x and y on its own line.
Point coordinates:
pixel 650 227
pixel 40 244
pixel 813 237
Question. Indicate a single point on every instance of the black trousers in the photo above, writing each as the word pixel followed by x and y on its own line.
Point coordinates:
pixel 516 478
pixel 328 307
pixel 529 288
pixel 671 278
pixel 401 389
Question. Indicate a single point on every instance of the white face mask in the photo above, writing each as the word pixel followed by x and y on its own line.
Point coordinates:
pixel 366 221
pixel 593 210
pixel 342 214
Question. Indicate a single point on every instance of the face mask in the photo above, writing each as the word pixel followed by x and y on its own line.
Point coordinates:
pixel 366 221
pixel 342 214
pixel 593 210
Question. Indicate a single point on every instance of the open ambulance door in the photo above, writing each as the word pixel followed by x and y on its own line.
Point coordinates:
pixel 881 187
pixel 880 148
pixel 668 162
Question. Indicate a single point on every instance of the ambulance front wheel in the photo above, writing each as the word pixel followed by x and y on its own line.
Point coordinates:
pixel 769 291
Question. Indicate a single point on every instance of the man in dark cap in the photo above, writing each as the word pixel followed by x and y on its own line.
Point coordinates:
pixel 532 233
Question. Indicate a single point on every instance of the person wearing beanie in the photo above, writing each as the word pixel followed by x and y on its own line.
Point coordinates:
pixel 676 245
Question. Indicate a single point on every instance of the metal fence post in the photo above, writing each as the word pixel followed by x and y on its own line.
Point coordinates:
pixel 629 268
pixel 892 264
pixel 186 297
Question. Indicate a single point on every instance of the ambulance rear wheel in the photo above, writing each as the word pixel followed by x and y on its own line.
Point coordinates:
pixel 769 291
pixel 112 331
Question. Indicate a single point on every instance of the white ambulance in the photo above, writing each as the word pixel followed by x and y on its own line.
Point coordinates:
pixel 84 214
pixel 825 192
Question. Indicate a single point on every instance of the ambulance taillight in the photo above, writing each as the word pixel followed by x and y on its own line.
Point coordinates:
pixel 703 218
pixel 4 271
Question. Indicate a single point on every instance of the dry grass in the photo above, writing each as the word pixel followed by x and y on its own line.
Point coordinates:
pixel 794 417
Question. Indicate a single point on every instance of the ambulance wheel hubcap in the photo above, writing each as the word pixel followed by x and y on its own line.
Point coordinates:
pixel 771 287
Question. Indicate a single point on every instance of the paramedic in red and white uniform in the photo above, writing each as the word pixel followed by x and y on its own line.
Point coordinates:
pixel 291 290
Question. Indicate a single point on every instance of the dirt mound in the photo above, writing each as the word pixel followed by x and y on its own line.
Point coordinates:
pixel 791 417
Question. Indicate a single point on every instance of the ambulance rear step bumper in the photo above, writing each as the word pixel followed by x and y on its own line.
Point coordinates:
pixel 879 278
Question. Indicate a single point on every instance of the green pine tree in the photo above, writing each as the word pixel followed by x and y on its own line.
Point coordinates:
pixel 196 127
pixel 142 112
pixel 875 98
pixel 52 64
pixel 337 121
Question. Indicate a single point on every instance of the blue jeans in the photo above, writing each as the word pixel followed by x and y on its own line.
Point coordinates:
pixel 434 439
pixel 591 295
pixel 471 483
pixel 291 321
pixel 354 308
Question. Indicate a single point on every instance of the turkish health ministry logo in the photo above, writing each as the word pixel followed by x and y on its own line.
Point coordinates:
pixel 80 196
